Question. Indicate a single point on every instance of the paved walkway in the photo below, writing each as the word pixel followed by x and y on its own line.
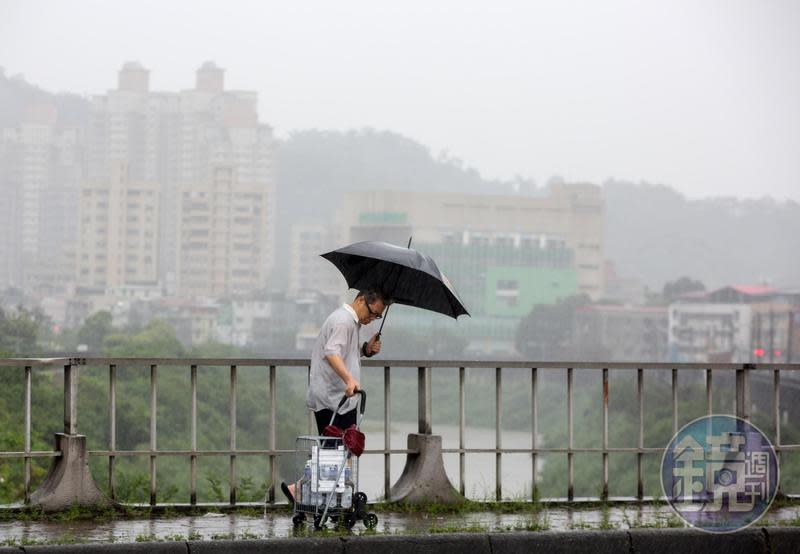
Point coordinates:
pixel 217 526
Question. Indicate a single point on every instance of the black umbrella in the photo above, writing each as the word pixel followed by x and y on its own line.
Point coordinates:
pixel 407 276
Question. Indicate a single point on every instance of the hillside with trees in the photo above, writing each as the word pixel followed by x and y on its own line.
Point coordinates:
pixel 655 234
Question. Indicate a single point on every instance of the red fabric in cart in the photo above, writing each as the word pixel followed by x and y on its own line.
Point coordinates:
pixel 353 438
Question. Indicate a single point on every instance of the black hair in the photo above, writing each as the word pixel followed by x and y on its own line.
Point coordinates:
pixel 372 295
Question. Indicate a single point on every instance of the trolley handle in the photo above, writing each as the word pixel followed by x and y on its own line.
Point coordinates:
pixel 362 403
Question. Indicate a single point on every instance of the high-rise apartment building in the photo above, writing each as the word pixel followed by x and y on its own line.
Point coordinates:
pixel 41 168
pixel 118 237
pixel 177 140
pixel 224 236
pixel 308 271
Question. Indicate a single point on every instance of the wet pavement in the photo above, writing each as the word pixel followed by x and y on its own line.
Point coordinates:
pixel 218 526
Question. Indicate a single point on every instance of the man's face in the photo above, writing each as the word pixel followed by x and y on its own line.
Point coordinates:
pixel 372 311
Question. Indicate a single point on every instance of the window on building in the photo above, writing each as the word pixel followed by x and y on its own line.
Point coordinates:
pixel 507 292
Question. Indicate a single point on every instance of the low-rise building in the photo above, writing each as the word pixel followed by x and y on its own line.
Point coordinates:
pixel 733 324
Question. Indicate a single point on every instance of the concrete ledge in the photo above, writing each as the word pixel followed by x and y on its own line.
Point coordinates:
pixel 455 543
pixel 310 545
pixel 686 541
pixel 689 541
pixel 117 548
pixel 577 542
pixel 784 540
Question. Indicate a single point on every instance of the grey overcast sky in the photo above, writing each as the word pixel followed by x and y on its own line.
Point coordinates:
pixel 703 96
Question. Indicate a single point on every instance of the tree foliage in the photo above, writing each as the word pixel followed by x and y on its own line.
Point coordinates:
pixel 19 331
pixel 94 331
pixel 684 285
pixel 156 340
pixel 548 331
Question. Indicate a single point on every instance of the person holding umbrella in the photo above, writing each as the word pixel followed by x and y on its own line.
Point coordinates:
pixel 336 362
pixel 336 358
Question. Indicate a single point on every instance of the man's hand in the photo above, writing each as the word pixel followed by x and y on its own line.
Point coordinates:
pixel 351 387
pixel 338 366
pixel 374 345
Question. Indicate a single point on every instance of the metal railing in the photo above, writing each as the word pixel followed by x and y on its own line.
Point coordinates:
pixel 424 369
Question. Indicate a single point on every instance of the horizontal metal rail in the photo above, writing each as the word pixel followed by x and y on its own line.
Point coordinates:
pixel 71 365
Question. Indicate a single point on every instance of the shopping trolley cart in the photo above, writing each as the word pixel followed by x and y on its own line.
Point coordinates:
pixel 329 485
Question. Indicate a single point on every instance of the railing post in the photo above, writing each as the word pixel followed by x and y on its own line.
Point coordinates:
pixel 640 454
pixel 273 399
pixel 498 460
pixel 461 425
pixel 193 439
pixel 424 480
pixel 776 400
pixel 674 401
pixel 153 431
pixel 743 392
pixel 232 468
pixel 570 467
pixel 605 434
pixel 424 399
pixel 387 427
pixel 534 433
pixel 69 482
pixel 26 470
pixel 70 400
pixel 112 429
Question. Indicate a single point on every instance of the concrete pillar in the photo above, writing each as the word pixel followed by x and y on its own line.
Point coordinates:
pixel 69 481
pixel 424 480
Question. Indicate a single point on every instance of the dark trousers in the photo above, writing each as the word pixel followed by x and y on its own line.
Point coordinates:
pixel 342 421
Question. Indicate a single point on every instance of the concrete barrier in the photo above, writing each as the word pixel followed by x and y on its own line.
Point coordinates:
pixel 116 548
pixel 759 540
pixel 309 545
pixel 445 543
pixel 784 540
pixel 576 542
pixel 424 480
pixel 689 541
pixel 69 482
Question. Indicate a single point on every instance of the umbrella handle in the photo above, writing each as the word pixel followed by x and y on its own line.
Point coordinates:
pixel 383 319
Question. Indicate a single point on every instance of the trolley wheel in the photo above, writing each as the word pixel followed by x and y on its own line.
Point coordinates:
pixel 370 521
pixel 359 503
pixel 318 521
pixel 298 519
pixel 349 521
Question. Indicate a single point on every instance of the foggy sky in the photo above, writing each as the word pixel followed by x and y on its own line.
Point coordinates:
pixel 703 96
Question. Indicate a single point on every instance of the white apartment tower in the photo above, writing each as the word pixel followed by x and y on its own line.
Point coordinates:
pixel 177 140
pixel 117 244
pixel 224 236
pixel 40 172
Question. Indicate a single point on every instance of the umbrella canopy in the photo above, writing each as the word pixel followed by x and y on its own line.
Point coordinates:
pixel 407 276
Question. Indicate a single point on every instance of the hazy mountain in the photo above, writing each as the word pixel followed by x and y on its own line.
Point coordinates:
pixel 16 95
pixel 655 234
pixel 316 168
